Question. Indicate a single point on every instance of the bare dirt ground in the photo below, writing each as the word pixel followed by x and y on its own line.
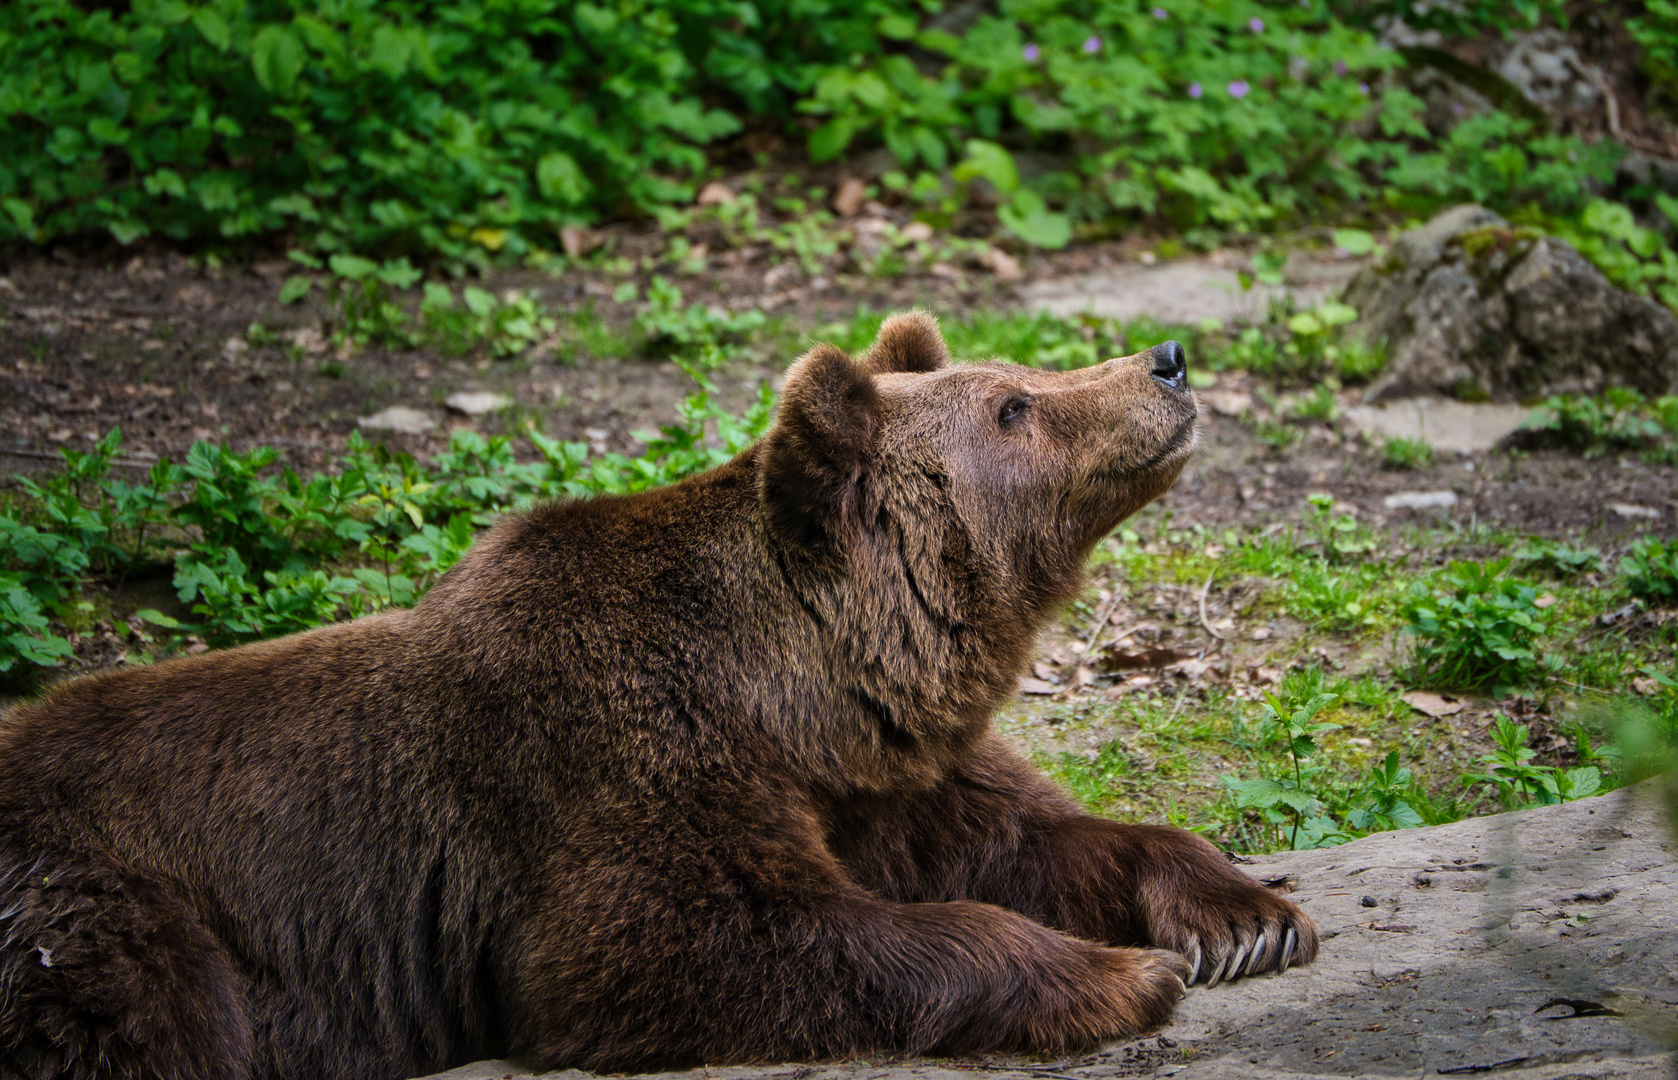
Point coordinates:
pixel 158 348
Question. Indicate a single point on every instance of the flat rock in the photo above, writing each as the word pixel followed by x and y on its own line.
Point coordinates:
pixel 1477 927
pixel 1445 424
pixel 1420 500
pixel 1473 308
pixel 477 402
pixel 1183 292
pixel 402 419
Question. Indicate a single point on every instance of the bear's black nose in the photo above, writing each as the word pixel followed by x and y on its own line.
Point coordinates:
pixel 1170 363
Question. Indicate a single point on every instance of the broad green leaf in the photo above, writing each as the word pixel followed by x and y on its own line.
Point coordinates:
pixel 277 58
pixel 390 51
pixel 1354 241
pixel 296 287
pixel 829 141
pixel 560 180
pixel 21 213
pixel 1334 313
pixel 352 267
pixel 212 27
pixel 1028 218
pixel 990 161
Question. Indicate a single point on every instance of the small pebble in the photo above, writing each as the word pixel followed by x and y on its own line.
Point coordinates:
pixel 1370 901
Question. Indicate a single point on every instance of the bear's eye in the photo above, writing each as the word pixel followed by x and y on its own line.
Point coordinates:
pixel 1011 409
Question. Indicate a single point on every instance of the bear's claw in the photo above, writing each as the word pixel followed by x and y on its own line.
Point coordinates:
pixel 1270 951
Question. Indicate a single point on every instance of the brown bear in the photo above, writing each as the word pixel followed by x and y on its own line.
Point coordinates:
pixel 702 775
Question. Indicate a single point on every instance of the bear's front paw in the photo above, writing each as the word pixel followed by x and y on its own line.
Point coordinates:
pixel 1234 930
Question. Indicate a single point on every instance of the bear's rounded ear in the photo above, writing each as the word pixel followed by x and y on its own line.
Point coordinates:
pixel 816 455
pixel 908 342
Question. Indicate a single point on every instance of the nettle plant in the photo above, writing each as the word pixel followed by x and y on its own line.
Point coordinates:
pixel 1474 628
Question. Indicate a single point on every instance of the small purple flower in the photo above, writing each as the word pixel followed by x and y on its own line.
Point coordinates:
pixel 1256 25
pixel 1238 89
pixel 1195 91
pixel 1160 13
pixel 1457 108
pixel 1340 67
pixel 1031 53
pixel 1363 88
pixel 1092 44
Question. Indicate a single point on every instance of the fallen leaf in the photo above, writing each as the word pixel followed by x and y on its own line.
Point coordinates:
pixel 715 194
pixel 1043 671
pixel 578 241
pixel 1646 687
pixel 1267 676
pixel 1084 676
pixel 1037 686
pixel 848 199
pixel 1002 264
pixel 1117 659
pixel 1261 634
pixel 1433 704
pixel 1544 601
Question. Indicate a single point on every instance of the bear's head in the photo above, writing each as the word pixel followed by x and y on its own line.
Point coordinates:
pixel 984 480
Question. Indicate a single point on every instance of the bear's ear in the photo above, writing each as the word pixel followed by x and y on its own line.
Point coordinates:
pixel 908 342
pixel 816 456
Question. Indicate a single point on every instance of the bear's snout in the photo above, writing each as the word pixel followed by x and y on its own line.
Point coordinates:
pixel 1171 364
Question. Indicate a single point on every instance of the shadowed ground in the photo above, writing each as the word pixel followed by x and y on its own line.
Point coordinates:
pixel 1455 950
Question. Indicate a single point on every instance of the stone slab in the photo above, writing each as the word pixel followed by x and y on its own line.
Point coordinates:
pixel 1183 292
pixel 1474 927
pixel 1448 426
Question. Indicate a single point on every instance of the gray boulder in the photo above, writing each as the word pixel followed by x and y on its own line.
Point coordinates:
pixel 1474 308
pixel 1539 945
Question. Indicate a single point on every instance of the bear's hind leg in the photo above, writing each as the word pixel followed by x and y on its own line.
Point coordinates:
pixel 105 973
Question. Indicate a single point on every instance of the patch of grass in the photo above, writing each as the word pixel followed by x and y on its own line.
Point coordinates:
pixel 1650 570
pixel 1401 454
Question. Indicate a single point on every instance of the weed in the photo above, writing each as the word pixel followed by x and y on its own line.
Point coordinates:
pixel 1517 782
pixel 1650 570
pixel 1400 454
pixel 1555 559
pixel 1474 628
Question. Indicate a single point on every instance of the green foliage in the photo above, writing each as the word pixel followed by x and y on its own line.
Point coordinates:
pixel 1620 419
pixel 1319 815
pixel 474 133
pixel 694 334
pixel 1556 559
pixel 416 125
pixel 1474 628
pixel 1402 454
pixel 259 551
pixel 1650 570
pixel 1518 782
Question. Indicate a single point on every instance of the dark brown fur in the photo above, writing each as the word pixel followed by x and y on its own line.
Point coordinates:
pixel 701 775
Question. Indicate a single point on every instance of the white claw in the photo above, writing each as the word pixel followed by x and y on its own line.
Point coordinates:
pixel 1194 970
pixel 1257 956
pixel 1217 973
pixel 1233 971
pixel 1287 949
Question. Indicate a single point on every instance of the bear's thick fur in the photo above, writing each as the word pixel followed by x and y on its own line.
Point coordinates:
pixel 699 775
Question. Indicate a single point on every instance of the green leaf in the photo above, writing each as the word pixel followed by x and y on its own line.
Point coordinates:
pixel 277 58
pixel 829 141
pixel 352 267
pixel 897 27
pixel 212 27
pixel 1028 218
pixel 21 213
pixel 993 163
pixel 165 182
pixel 1334 313
pixel 1255 794
pixel 560 180
pixel 157 618
pixel 1354 241
pixel 296 287
pixel 390 51
pixel 106 130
